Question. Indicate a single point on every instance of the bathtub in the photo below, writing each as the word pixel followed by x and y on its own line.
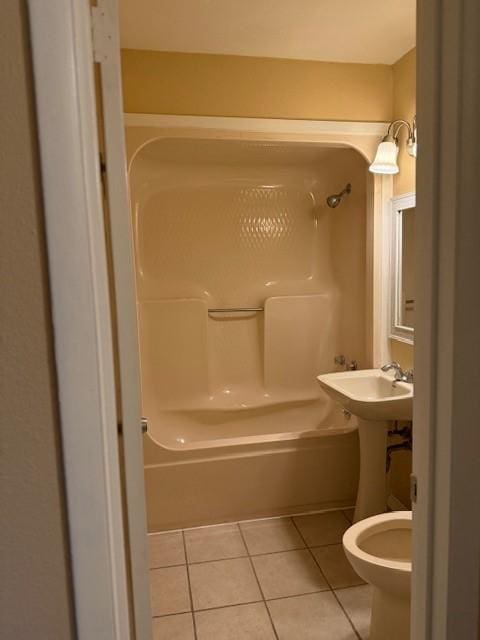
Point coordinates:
pixel 237 426
pixel 276 460
pixel 275 420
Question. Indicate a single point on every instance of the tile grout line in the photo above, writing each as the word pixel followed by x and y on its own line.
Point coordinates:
pixel 222 606
pixel 258 581
pixel 241 604
pixel 355 630
pixel 189 587
pixel 284 516
pixel 350 586
pixel 253 555
pixel 332 591
pixel 250 557
pixel 345 516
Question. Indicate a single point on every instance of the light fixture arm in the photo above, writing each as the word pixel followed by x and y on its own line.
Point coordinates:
pixel 399 124
pixel 394 128
pixel 385 160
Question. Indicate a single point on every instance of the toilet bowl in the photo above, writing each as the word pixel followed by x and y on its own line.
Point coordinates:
pixel 379 549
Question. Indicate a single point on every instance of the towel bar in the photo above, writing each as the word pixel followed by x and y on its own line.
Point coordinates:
pixel 236 310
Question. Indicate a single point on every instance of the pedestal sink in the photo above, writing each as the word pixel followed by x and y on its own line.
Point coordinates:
pixel 375 398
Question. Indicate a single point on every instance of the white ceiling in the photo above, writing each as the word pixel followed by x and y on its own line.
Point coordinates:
pixel 368 31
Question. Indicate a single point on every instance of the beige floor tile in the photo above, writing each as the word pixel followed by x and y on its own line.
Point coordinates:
pixel 223 583
pixel 357 602
pixel 316 616
pixel 243 622
pixel 349 513
pixel 267 536
pixel 335 566
pixel 288 573
pixel 214 543
pixel 322 528
pixel 169 591
pixel 166 549
pixel 178 627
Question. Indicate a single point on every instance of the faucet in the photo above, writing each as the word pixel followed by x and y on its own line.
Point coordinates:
pixel 400 374
pixel 342 362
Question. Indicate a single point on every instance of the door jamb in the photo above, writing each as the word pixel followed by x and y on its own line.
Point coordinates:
pixel 65 104
pixel 446 562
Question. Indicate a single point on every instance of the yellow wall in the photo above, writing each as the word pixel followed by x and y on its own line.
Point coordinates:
pixel 35 597
pixel 404 106
pixel 402 352
pixel 220 85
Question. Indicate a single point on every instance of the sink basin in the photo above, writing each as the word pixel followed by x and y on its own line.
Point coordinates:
pixel 370 394
pixel 375 398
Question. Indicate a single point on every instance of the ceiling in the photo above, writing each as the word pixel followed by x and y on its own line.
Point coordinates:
pixel 365 31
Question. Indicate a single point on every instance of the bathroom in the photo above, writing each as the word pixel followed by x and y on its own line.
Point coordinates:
pixel 239 365
pixel 263 252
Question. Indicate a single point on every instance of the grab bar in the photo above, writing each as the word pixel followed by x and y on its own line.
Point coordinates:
pixel 237 310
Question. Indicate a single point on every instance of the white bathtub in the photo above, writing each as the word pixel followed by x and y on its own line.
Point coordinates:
pixel 259 470
pixel 272 421
pixel 237 426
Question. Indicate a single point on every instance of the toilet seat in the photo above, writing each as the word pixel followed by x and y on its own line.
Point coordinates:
pixel 356 538
pixel 379 549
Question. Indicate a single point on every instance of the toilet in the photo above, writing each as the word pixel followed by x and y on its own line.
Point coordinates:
pixel 379 549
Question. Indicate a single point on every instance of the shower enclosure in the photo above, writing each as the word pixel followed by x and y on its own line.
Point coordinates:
pixel 248 286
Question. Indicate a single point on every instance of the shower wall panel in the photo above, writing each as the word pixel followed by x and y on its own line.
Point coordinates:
pixel 231 224
pixel 222 224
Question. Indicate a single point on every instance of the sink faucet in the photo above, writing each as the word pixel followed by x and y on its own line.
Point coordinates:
pixel 400 374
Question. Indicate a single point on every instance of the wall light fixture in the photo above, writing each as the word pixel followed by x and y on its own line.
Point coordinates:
pixel 386 157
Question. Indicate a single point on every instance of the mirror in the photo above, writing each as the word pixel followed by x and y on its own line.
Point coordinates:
pixel 402 273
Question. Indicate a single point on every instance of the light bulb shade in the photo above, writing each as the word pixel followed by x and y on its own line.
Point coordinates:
pixel 412 148
pixel 386 158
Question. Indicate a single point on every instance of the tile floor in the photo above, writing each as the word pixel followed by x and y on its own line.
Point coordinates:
pixel 281 578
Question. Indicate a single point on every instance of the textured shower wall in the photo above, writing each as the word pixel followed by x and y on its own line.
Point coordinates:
pixel 228 223
pixel 348 253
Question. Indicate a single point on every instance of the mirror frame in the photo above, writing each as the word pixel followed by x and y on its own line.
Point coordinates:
pixel 398 331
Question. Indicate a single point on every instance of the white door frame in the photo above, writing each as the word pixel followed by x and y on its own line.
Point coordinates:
pixel 63 66
pixel 107 55
pixel 447 520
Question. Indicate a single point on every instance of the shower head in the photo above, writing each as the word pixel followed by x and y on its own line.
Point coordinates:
pixel 335 199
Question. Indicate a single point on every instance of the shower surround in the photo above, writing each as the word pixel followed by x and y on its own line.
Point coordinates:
pixel 237 426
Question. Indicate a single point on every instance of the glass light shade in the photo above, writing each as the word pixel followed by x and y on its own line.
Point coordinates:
pixel 412 148
pixel 386 158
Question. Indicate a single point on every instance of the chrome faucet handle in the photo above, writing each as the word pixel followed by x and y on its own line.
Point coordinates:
pixel 341 360
pixel 391 365
pixel 400 374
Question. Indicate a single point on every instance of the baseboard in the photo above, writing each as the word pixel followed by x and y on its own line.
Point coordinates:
pixel 283 513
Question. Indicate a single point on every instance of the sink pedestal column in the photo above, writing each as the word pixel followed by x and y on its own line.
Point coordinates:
pixel 372 484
